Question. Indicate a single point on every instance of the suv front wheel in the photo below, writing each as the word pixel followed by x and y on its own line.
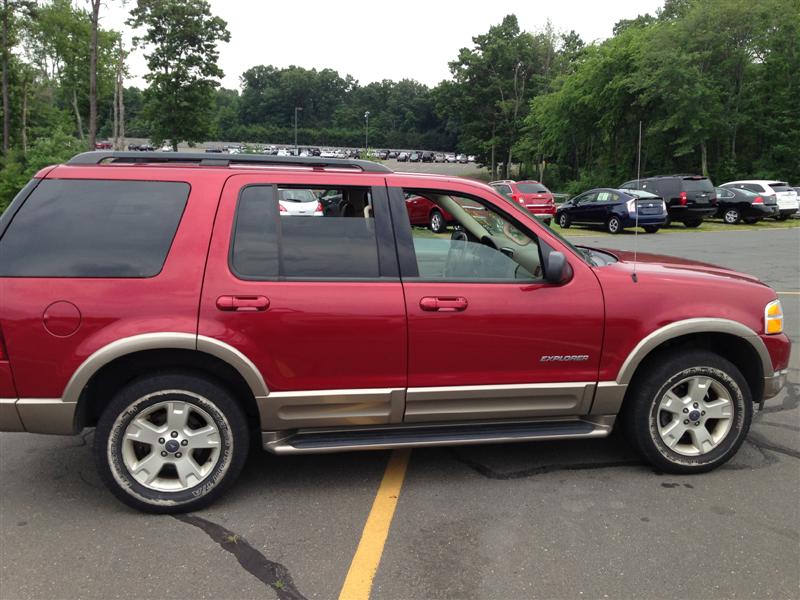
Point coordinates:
pixel 689 413
pixel 171 442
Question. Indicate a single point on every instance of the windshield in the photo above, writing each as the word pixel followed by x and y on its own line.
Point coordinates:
pixel 697 185
pixel 583 253
pixel 290 195
pixel 532 188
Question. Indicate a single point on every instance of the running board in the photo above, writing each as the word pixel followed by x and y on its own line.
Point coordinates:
pixel 343 440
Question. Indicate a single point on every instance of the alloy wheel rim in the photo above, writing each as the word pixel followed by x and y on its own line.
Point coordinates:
pixel 731 216
pixel 694 416
pixel 171 446
pixel 436 221
pixel 613 225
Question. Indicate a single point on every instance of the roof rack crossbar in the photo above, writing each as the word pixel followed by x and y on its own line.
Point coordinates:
pixel 107 156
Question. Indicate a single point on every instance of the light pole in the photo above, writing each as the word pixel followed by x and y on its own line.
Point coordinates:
pixel 366 131
pixel 296 110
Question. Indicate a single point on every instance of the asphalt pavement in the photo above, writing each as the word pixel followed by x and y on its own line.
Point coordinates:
pixel 547 520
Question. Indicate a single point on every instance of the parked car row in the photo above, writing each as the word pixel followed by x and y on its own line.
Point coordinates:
pixel 656 202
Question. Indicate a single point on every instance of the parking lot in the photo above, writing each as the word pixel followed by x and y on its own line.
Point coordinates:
pixel 545 520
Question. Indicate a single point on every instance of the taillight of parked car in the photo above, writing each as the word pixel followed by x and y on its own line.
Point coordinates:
pixel 281 208
pixel 684 199
pixel 632 207
pixel 319 207
pixel 758 200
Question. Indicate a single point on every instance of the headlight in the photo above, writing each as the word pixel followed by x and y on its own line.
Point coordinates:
pixel 773 317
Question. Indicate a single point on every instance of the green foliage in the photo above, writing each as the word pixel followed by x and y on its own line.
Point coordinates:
pixel 714 84
pixel 181 37
pixel 16 170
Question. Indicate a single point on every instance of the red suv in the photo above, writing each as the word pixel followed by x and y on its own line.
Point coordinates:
pixel 165 300
pixel 531 194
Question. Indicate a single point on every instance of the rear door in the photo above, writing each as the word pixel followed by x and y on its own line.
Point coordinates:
pixel 314 301
pixel 699 191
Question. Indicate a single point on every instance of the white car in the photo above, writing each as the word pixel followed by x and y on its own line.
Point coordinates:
pixel 785 196
pixel 298 203
pixel 165 148
pixel 450 157
pixel 283 152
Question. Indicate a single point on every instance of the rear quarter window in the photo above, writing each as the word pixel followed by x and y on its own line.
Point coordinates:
pixel 93 228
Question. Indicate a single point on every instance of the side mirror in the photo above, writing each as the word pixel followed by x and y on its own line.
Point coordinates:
pixel 558 269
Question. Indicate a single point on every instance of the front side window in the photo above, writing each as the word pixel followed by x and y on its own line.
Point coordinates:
pixel 484 245
pixel 93 228
pixel 288 232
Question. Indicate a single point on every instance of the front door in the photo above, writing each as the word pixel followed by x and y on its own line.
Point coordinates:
pixel 313 301
pixel 488 337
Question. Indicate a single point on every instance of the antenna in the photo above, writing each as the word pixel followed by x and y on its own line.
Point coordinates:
pixel 636 204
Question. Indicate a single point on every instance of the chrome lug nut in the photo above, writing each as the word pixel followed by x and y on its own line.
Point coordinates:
pixel 695 405
pixel 686 421
pixel 174 434
pixel 161 440
pixel 702 412
pixel 178 455
pixel 685 410
pixel 164 453
pixel 186 442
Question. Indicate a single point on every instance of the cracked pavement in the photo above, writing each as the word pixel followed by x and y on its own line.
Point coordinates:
pixel 568 519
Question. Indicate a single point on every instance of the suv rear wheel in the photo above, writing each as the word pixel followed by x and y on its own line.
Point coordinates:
pixel 689 413
pixel 171 442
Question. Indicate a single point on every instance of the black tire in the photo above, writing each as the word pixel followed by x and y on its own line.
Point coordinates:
pixel 614 225
pixel 437 222
pixel 782 217
pixel 693 224
pixel 205 396
pixel 564 221
pixel 660 375
pixel 651 228
pixel 731 216
pixel 751 220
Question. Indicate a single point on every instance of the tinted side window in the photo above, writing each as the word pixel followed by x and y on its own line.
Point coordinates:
pixel 93 228
pixel 304 234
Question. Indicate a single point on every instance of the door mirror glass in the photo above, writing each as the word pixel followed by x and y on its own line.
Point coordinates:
pixel 558 269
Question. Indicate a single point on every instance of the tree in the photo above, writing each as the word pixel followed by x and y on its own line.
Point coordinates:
pixel 95 18
pixel 493 83
pixel 181 37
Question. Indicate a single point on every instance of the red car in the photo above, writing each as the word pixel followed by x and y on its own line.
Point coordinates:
pixel 103 145
pixel 531 194
pixel 424 213
pixel 164 300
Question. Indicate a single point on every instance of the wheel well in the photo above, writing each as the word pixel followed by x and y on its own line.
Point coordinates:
pixel 121 371
pixel 731 347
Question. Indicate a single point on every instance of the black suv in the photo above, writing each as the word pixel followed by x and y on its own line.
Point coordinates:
pixel 689 198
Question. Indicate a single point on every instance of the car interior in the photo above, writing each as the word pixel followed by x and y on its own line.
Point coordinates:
pixel 483 245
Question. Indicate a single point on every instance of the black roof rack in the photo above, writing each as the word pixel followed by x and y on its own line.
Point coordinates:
pixel 106 156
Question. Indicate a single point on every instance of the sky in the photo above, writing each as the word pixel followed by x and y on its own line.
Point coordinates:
pixel 377 40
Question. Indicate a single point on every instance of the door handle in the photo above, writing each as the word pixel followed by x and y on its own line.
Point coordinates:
pixel 243 303
pixel 443 303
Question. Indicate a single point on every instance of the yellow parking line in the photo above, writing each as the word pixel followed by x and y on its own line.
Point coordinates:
pixel 358 583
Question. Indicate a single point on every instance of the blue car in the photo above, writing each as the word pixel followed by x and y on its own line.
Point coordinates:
pixel 614 210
